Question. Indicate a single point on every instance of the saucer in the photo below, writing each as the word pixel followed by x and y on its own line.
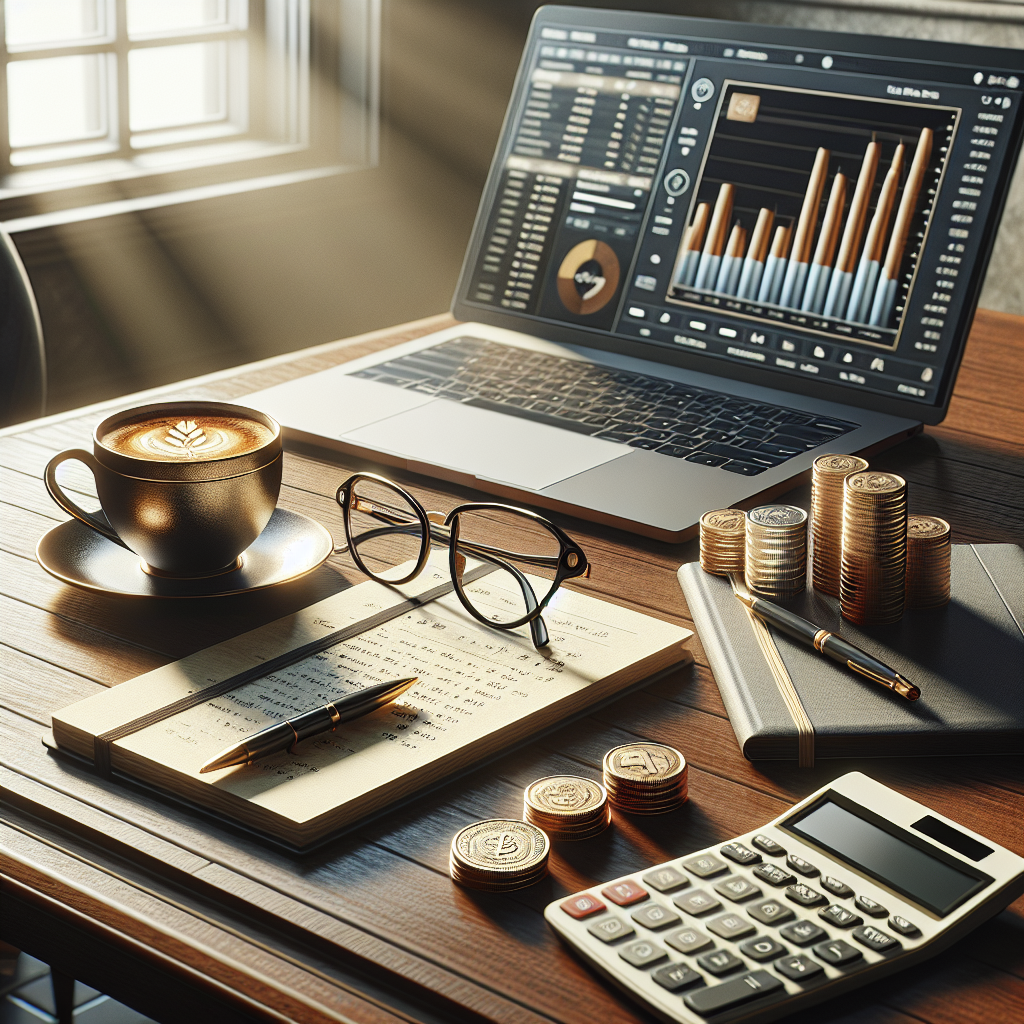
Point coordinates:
pixel 290 546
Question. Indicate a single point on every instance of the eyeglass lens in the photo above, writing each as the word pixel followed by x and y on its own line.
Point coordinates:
pixel 517 546
pixel 385 530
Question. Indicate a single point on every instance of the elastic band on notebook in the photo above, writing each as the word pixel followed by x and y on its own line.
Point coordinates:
pixel 102 743
pixel 804 728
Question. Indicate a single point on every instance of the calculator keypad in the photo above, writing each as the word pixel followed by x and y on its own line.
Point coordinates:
pixel 705 866
pixel 748 944
pixel 804 895
pixel 697 902
pixel 837 952
pixel 624 893
pixel 770 912
pixel 642 954
pixel 656 917
pixel 719 961
pixel 676 977
pixel 803 933
pixel 665 879
pixel 773 875
pixel 870 907
pixel 761 949
pixel 801 866
pixel 689 940
pixel 737 889
pixel 799 968
pixel 840 916
pixel 768 845
pixel 731 926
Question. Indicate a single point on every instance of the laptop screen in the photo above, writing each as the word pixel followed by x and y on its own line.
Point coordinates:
pixel 813 211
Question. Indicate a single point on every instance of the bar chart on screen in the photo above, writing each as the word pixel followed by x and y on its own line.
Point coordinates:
pixel 812 209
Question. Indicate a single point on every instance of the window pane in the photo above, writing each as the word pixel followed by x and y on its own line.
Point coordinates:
pixel 147 17
pixel 170 86
pixel 59 99
pixel 42 22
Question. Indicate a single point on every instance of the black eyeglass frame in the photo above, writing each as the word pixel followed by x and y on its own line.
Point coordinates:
pixel 570 563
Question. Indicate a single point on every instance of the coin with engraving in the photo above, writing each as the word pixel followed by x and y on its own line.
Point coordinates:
pixel 722 540
pixel 928 561
pixel 729 519
pixel 872 480
pixel 843 464
pixel 498 854
pixel 500 844
pixel 644 762
pixel 775 554
pixel 567 807
pixel 646 778
pixel 777 515
pixel 828 474
pixel 872 580
pixel 929 527
pixel 565 795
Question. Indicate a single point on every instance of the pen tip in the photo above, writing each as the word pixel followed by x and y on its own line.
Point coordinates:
pixel 225 759
pixel 905 688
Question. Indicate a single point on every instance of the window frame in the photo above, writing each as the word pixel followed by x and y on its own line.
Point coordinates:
pixel 313 108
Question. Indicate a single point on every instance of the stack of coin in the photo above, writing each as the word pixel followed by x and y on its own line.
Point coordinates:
pixel 873 576
pixel 829 472
pixel 722 540
pixel 928 556
pixel 567 807
pixel 776 551
pixel 498 855
pixel 645 778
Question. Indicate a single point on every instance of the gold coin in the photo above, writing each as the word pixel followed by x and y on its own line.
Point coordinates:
pixel 927 528
pixel 565 797
pixel 500 846
pixel 839 464
pixel 873 482
pixel 650 763
pixel 728 520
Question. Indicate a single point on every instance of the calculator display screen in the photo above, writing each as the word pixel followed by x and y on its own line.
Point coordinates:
pixel 902 864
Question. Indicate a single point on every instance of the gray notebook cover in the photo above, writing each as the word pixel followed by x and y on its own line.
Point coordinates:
pixel 967 658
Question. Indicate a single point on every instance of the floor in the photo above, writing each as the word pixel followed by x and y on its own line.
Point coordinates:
pixel 27 998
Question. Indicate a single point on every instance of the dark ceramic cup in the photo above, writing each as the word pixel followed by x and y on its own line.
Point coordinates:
pixel 187 485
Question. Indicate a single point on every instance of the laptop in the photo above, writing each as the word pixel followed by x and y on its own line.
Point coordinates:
pixel 706 253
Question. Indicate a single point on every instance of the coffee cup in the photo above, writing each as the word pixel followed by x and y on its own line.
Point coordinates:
pixel 187 485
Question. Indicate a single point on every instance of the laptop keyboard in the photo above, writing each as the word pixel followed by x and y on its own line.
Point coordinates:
pixel 678 420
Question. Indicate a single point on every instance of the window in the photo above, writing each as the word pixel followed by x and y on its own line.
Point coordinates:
pixel 97 90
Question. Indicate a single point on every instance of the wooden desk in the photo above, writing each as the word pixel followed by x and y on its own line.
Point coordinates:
pixel 177 914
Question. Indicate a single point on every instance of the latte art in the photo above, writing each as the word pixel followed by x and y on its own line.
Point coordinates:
pixel 184 439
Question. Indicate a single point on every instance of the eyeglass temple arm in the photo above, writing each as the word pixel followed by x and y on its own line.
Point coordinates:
pixel 442 534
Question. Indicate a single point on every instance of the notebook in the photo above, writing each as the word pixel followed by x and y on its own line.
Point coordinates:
pixel 967 658
pixel 479 691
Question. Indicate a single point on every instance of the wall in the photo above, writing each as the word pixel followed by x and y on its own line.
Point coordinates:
pixel 141 299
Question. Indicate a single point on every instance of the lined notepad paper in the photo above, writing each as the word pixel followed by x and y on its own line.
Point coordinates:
pixel 480 690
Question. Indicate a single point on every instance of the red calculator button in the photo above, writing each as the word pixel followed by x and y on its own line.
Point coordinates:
pixel 582 906
pixel 625 893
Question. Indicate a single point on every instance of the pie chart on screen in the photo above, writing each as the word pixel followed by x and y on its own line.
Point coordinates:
pixel 588 277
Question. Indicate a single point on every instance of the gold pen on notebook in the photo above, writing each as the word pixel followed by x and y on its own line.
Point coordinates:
pixel 284 735
pixel 830 644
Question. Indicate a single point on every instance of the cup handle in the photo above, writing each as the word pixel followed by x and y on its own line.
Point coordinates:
pixel 55 492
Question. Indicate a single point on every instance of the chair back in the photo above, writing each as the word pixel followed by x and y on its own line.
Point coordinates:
pixel 22 355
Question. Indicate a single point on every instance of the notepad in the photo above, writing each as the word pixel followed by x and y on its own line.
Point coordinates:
pixel 480 690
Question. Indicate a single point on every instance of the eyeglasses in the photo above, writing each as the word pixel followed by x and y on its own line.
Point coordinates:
pixel 387 529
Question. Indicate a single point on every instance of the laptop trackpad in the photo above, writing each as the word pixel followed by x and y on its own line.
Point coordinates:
pixel 486 444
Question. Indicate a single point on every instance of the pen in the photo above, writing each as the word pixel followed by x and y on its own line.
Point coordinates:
pixel 284 735
pixel 829 644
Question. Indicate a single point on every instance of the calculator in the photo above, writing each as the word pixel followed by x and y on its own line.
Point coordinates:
pixel 853 883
